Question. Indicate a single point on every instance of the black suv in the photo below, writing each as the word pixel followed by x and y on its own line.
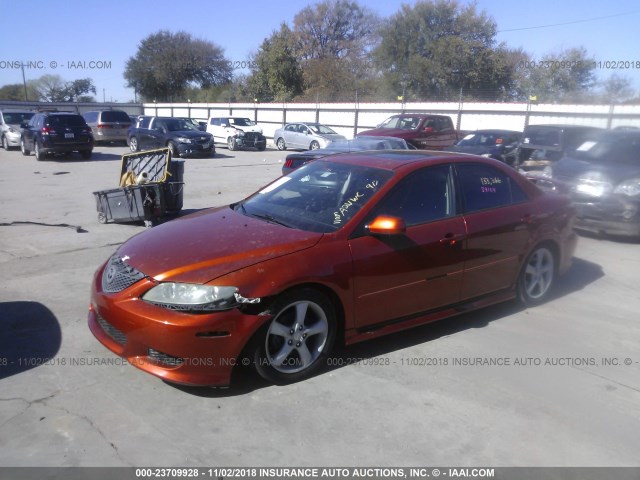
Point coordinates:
pixel 49 133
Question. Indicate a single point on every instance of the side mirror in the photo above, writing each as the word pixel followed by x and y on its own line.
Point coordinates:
pixel 387 225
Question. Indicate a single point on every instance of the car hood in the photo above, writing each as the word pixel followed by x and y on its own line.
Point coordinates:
pixel 201 247
pixel 190 133
pixel 474 149
pixel 570 168
pixel 334 137
pixel 254 128
pixel 388 132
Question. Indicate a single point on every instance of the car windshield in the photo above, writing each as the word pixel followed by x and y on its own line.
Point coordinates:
pixel 404 122
pixel 66 121
pixel 178 125
pixel 115 116
pixel 15 118
pixel 610 149
pixel 242 122
pixel 319 197
pixel 484 139
pixel 542 136
pixel 369 143
pixel 321 129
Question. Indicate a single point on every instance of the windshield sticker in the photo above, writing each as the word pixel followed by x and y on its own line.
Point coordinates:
pixel 470 136
pixel 344 208
pixel 490 180
pixel 586 146
pixel 274 185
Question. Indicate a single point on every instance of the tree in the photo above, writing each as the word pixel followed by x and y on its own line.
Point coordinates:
pixel 566 76
pixel 276 74
pixel 167 63
pixel 616 89
pixel 434 49
pixel 50 88
pixel 333 40
pixel 15 92
pixel 76 90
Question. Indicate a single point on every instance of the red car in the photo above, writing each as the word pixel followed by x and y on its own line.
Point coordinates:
pixel 344 249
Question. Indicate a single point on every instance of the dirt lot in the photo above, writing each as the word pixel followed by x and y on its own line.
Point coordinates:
pixel 557 385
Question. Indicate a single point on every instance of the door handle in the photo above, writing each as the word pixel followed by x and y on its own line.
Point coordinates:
pixel 451 239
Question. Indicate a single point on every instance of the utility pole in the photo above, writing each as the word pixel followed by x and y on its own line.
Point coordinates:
pixel 24 83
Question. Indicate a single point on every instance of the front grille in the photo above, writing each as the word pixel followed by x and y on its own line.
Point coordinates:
pixel 119 337
pixel 164 358
pixel 251 136
pixel 118 275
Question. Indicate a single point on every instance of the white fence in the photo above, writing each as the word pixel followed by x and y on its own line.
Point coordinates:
pixel 349 119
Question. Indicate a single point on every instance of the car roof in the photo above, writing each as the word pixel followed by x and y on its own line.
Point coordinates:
pixel 14 110
pixel 564 126
pixel 494 130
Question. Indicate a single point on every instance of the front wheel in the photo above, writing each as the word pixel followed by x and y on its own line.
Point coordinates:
pixel 231 143
pixel 314 145
pixel 134 146
pixel 173 148
pixel 296 342
pixel 537 276
pixel 5 143
pixel 280 144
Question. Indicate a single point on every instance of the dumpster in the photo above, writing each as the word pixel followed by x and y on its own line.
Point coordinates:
pixel 151 187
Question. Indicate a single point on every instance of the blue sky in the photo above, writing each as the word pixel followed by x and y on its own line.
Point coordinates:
pixel 109 31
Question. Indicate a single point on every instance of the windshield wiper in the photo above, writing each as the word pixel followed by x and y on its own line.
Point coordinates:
pixel 268 218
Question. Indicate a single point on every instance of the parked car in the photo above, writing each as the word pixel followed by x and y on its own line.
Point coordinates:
pixel 542 145
pixel 10 130
pixel 108 125
pixel 180 136
pixel 603 175
pixel 348 248
pixel 432 132
pixel 305 136
pixel 237 132
pixel 296 160
pixel 49 133
pixel 498 144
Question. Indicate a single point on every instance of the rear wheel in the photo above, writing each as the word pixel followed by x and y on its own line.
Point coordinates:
pixel 37 150
pixel 537 276
pixel 23 148
pixel 296 342
pixel 280 144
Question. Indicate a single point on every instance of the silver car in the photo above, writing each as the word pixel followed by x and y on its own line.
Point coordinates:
pixel 10 130
pixel 305 136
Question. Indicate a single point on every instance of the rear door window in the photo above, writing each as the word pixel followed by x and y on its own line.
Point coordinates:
pixel 484 187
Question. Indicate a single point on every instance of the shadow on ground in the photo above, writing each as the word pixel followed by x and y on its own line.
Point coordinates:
pixel 581 274
pixel 30 336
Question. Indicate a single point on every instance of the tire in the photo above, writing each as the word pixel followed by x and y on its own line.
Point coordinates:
pixel 314 145
pixel 280 144
pixel 102 218
pixel 134 146
pixel 281 356
pixel 5 143
pixel 38 153
pixel 23 148
pixel 231 143
pixel 86 154
pixel 173 148
pixel 262 148
pixel 537 277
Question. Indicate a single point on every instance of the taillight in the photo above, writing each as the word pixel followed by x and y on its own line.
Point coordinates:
pixel 288 163
pixel 47 131
pixel 104 125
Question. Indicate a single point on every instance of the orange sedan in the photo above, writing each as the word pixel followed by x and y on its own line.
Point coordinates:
pixel 345 249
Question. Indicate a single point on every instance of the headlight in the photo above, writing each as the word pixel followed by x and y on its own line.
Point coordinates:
pixel 594 184
pixel 629 187
pixel 195 297
pixel 184 140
